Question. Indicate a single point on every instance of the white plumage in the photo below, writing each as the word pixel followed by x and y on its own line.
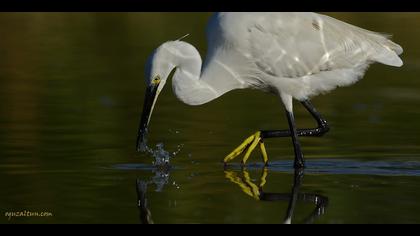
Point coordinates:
pixel 294 55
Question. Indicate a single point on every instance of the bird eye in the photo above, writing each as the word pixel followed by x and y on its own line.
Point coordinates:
pixel 156 80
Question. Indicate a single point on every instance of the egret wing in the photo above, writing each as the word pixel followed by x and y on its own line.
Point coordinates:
pixel 299 44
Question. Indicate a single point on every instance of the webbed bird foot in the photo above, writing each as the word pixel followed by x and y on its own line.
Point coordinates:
pixel 249 145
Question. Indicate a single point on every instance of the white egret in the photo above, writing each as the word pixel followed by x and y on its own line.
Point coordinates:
pixel 291 55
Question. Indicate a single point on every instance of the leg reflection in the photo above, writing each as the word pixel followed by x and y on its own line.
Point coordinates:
pixel 145 214
pixel 243 180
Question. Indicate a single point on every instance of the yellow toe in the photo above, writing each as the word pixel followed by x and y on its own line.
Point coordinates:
pixel 251 148
pixel 239 149
pixel 249 145
pixel 264 152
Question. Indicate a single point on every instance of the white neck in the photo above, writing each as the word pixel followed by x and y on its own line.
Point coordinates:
pixel 192 83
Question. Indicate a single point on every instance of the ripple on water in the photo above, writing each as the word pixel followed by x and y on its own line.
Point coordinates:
pixel 161 159
pixel 337 166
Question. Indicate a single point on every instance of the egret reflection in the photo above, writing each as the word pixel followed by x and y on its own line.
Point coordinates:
pixel 241 178
pixel 160 179
pixel 255 190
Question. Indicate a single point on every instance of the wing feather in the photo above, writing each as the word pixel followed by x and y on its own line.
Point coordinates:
pixel 298 44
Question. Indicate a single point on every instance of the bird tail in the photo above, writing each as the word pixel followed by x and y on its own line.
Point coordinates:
pixel 388 53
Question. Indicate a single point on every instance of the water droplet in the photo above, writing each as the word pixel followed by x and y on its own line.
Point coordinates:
pixel 160 155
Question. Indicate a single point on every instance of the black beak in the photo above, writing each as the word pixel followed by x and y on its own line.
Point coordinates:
pixel 149 101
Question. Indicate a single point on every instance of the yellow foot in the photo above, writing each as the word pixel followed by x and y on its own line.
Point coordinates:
pixel 249 144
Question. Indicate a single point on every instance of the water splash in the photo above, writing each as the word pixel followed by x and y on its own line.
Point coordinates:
pixel 160 155
pixel 160 179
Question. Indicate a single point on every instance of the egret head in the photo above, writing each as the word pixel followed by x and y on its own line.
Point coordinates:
pixel 158 67
pixel 160 64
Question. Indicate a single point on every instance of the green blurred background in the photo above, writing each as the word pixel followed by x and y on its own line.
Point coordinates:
pixel 71 95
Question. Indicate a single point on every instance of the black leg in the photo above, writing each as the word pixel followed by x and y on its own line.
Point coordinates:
pixel 319 131
pixel 299 162
pixel 294 133
pixel 323 126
